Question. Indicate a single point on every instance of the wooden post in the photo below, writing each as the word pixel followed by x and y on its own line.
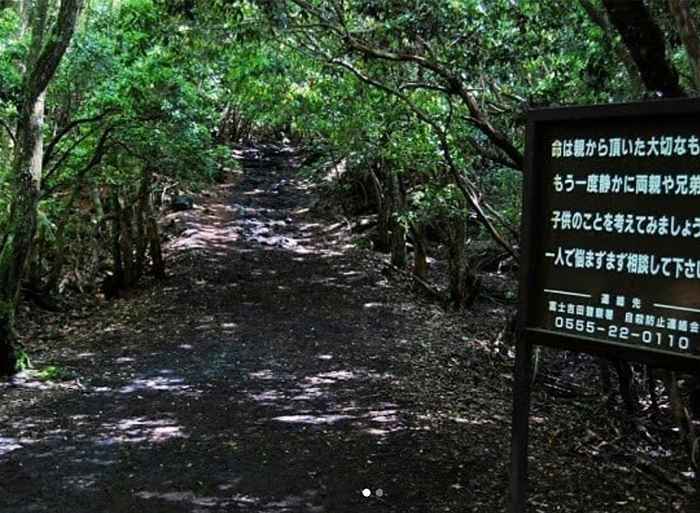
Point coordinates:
pixel 520 425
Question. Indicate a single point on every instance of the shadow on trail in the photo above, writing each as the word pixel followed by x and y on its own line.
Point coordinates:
pixel 263 376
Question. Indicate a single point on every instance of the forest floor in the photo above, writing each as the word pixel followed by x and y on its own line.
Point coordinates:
pixel 278 369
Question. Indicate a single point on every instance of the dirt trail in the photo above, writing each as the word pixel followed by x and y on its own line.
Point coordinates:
pixel 275 371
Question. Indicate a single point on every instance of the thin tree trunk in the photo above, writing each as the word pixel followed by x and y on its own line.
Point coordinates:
pixel 140 221
pixel 599 18
pixel 645 42
pixel 126 242
pixel 116 282
pixel 152 232
pixel 226 121
pixel 96 245
pixel 32 281
pixel 18 241
pixel 457 261
pixel 689 35
pixel 156 251
pixel 382 241
pixel 627 389
pixel 420 251
pixel 399 256
pixel 606 380
pixel 33 278
pixel 679 413
pixel 60 244
pixel 44 56
pixel 97 203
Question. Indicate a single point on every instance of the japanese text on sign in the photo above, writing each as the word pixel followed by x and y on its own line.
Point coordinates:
pixel 613 228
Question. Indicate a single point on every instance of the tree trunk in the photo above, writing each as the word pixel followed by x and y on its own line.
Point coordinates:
pixel 155 248
pixel 460 280
pixel 16 245
pixel 420 251
pixel 689 35
pixel 226 121
pixel 140 214
pixel 457 261
pixel 382 241
pixel 60 245
pixel 606 380
pixel 399 257
pixel 599 18
pixel 152 233
pixel 629 394
pixel 645 42
pixel 97 203
pixel 96 243
pixel 126 242
pixel 33 277
pixel 116 282
pixel 680 416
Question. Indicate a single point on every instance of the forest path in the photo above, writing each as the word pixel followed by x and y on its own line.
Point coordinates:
pixel 275 371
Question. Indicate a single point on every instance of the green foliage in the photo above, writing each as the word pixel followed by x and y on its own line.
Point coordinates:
pixel 12 52
pixel 508 55
pixel 152 84
pixel 159 115
pixel 23 361
pixel 54 373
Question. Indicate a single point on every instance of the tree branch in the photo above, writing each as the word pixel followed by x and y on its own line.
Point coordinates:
pixel 689 35
pixel 468 189
pixel 51 147
pixel 9 132
pixel 478 117
pixel 599 18
pixel 97 156
pixel 645 42
pixel 50 55
pixel 455 83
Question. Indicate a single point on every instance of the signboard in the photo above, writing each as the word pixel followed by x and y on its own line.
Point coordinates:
pixel 611 231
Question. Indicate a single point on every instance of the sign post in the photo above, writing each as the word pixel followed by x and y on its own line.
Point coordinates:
pixel 610 258
pixel 520 426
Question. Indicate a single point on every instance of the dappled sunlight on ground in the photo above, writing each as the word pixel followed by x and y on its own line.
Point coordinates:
pixel 274 371
pixel 316 399
pixel 241 502
pixel 140 429
pixel 313 419
pixel 10 444
pixel 170 384
pixel 263 218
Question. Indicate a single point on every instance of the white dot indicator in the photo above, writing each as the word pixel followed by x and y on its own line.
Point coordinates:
pixel 366 492
pixel 379 492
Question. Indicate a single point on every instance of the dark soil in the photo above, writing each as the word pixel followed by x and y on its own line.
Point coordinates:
pixel 278 369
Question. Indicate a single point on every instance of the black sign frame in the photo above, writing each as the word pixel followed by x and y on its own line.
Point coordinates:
pixel 533 192
pixel 528 336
